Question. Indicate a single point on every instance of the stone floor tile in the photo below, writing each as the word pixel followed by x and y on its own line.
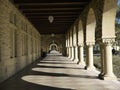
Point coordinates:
pixel 56 72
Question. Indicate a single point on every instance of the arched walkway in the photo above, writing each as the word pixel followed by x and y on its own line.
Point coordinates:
pixel 53 46
pixel 56 72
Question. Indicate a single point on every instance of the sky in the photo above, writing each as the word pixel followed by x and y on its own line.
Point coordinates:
pixel 118 2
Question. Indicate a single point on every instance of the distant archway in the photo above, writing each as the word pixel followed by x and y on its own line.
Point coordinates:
pixel 53 46
pixel 59 44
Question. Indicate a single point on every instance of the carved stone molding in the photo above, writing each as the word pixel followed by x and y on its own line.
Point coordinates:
pixel 108 40
pixel 80 44
pixel 90 43
pixel 75 45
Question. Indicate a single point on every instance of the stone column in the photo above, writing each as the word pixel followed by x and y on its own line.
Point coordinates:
pixel 66 45
pixel 69 53
pixel 71 45
pixel 102 52
pixel 76 54
pixel 72 54
pixel 108 75
pixel 89 55
pixel 81 56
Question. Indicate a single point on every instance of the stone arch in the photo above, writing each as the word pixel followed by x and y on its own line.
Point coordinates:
pixel 108 20
pixel 107 39
pixel 80 33
pixel 90 27
pixel 90 39
pixel 75 35
pixel 53 45
pixel 57 41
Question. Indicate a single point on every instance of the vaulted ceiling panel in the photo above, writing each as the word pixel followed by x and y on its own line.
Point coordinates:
pixel 64 12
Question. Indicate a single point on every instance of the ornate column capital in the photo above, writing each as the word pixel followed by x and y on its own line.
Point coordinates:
pixel 80 44
pixel 108 40
pixel 90 43
pixel 74 45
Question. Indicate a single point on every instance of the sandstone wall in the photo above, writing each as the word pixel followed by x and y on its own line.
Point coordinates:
pixel 19 40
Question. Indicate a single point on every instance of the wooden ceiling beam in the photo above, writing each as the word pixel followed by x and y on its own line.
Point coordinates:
pixel 48 1
pixel 36 18
pixel 65 12
pixel 50 9
pixel 60 3
pixel 53 21
pixel 60 16
pixel 52 28
pixel 52 13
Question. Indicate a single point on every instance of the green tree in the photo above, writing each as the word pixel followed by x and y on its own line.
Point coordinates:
pixel 117 25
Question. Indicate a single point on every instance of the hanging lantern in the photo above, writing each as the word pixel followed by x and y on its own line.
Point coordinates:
pixel 50 18
pixel 53 35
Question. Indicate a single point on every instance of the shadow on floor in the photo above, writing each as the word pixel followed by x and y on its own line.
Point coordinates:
pixel 44 62
pixel 37 71
pixel 59 67
pixel 52 60
pixel 18 84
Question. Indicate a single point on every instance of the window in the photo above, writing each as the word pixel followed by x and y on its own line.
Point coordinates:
pixel 12 44
pixel 15 19
pixel 23 44
pixel 15 43
pixel 11 18
pixel 31 46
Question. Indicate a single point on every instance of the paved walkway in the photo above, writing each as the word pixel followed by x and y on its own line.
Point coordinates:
pixel 56 72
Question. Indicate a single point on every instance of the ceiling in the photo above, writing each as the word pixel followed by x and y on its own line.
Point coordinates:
pixel 64 12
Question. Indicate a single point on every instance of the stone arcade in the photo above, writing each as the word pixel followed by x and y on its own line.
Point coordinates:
pixel 23 36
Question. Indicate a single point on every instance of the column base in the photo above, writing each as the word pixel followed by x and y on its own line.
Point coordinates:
pixel 90 68
pixel 69 57
pixel 72 59
pixel 106 77
pixel 100 76
pixel 76 60
pixel 81 64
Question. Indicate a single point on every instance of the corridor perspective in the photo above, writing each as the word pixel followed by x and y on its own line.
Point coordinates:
pixel 59 45
pixel 56 72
